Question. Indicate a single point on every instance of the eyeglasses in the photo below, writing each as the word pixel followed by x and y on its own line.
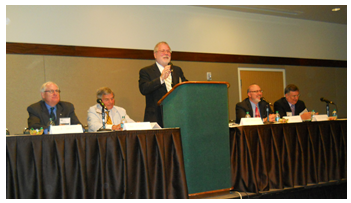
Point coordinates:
pixel 294 96
pixel 52 91
pixel 257 91
pixel 165 51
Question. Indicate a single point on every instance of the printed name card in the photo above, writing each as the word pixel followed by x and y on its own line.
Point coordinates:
pixel 141 126
pixel 63 129
pixel 321 117
pixel 293 119
pixel 251 121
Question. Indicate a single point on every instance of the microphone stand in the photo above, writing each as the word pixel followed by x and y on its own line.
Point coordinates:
pixel 103 128
pixel 328 109
pixel 328 112
pixel 267 110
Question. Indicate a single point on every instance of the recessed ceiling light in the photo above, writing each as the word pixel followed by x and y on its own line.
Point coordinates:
pixel 336 9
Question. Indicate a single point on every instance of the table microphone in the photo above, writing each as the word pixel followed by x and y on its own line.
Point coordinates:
pixel 326 100
pixel 263 99
pixel 101 103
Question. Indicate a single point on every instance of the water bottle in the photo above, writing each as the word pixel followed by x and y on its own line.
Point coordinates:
pixel 123 121
pixel 335 115
pixel 312 114
pixel 247 115
pixel 51 123
pixel 277 116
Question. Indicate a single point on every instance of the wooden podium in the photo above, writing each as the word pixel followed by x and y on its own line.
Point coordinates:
pixel 200 109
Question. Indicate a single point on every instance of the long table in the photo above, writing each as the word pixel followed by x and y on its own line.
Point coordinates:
pixel 149 164
pixel 124 164
pixel 279 156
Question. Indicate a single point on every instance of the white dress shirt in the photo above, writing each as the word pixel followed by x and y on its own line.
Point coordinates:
pixel 95 117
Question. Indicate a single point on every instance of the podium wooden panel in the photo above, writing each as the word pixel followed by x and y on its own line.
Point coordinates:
pixel 200 109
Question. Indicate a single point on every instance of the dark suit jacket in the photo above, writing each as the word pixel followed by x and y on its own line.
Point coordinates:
pixel 39 114
pixel 150 86
pixel 282 106
pixel 245 106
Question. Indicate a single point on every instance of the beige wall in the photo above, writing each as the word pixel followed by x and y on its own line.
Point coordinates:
pixel 185 28
pixel 80 77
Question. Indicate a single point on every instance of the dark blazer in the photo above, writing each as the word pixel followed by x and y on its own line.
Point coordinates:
pixel 282 106
pixel 39 114
pixel 245 106
pixel 150 86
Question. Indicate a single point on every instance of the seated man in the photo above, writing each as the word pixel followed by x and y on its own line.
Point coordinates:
pixel 253 105
pixel 113 115
pixel 50 107
pixel 291 103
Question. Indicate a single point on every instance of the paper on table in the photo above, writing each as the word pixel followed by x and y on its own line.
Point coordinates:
pixel 251 121
pixel 320 117
pixel 293 119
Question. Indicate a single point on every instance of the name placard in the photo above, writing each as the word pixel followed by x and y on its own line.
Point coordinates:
pixel 320 117
pixel 251 121
pixel 65 121
pixel 62 129
pixel 141 126
pixel 293 119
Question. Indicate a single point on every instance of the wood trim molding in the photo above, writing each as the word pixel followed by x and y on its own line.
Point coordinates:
pixel 82 51
pixel 212 193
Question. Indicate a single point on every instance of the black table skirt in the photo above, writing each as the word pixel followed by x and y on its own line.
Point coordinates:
pixel 149 164
pixel 279 156
pixel 126 164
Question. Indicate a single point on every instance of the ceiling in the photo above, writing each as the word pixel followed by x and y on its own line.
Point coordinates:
pixel 322 13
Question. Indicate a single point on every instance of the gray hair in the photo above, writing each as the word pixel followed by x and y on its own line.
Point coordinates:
pixel 104 91
pixel 291 87
pixel 43 87
pixel 163 42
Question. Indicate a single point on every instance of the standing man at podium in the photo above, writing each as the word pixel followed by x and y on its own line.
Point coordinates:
pixel 158 79
pixel 254 105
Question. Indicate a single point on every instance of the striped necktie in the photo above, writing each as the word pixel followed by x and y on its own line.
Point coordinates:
pixel 168 82
pixel 109 121
pixel 52 114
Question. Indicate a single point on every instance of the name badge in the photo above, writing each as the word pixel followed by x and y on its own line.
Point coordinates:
pixel 65 121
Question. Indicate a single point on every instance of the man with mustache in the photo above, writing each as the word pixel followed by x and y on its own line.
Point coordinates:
pixel 158 79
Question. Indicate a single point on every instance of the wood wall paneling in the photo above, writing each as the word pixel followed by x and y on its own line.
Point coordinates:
pixel 61 50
